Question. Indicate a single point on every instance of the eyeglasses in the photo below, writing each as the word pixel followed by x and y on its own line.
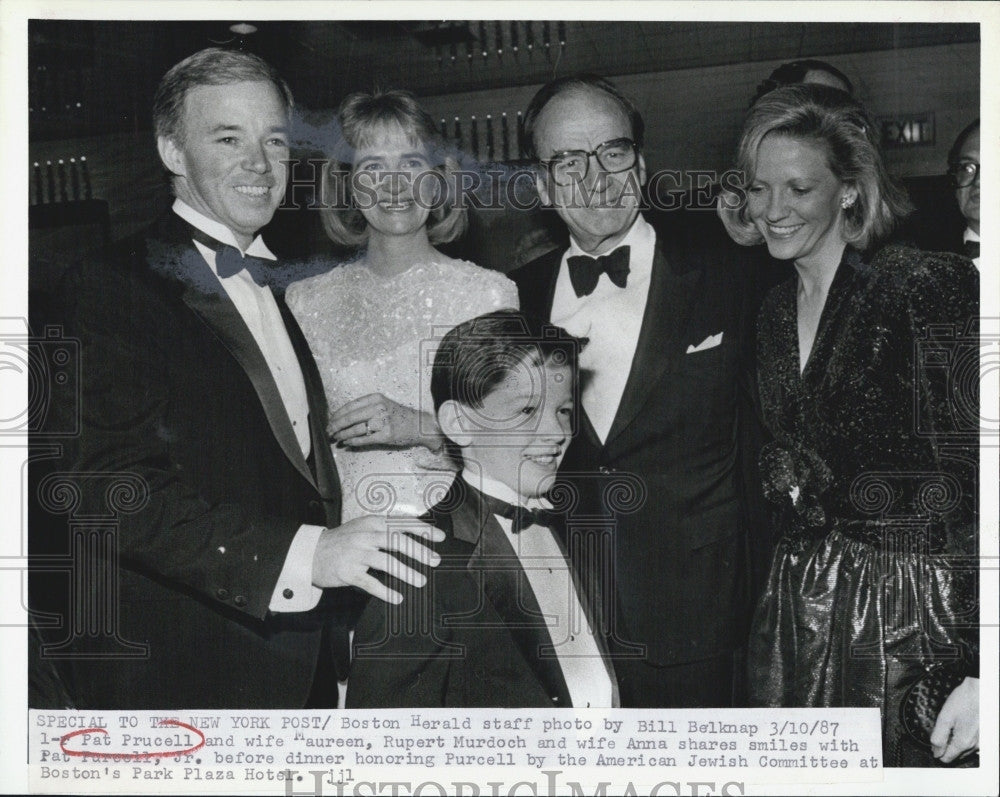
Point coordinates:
pixel 964 174
pixel 571 166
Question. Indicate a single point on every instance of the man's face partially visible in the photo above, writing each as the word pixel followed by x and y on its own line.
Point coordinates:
pixel 968 197
pixel 599 210
pixel 229 161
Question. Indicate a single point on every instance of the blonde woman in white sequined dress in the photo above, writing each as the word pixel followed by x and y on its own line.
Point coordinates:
pixel 372 323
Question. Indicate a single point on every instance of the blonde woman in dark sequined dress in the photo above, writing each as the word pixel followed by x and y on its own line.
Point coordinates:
pixel 372 323
pixel 871 469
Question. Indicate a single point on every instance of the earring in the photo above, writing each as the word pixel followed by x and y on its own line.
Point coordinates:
pixel 847 202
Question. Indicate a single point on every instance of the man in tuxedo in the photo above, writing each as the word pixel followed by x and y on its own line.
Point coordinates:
pixel 665 312
pixel 203 434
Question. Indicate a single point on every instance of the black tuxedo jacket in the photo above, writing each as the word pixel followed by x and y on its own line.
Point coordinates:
pixel 661 495
pixel 178 402
pixel 473 636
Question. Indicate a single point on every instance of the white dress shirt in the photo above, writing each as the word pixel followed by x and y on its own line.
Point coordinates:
pixel 611 318
pixel 583 667
pixel 259 310
pixel 971 235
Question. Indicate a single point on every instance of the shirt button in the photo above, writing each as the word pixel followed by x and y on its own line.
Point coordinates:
pixel 287 593
pixel 222 594
pixel 239 600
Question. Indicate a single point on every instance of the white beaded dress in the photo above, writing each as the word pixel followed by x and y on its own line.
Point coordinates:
pixel 375 334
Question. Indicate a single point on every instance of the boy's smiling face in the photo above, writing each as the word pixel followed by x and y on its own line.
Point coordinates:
pixel 520 434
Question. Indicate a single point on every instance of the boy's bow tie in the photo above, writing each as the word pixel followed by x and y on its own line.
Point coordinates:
pixel 520 517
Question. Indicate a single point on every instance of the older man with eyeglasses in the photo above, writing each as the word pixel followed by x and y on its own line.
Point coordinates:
pixel 963 169
pixel 655 466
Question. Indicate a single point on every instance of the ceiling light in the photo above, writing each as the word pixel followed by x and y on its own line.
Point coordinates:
pixel 243 28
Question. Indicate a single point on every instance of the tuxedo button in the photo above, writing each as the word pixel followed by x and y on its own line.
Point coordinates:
pixel 222 594
pixel 314 504
pixel 239 600
pixel 287 593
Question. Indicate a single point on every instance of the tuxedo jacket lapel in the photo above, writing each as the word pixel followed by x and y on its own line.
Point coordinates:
pixel 668 308
pixel 327 480
pixel 538 286
pixel 537 290
pixel 221 316
pixel 494 562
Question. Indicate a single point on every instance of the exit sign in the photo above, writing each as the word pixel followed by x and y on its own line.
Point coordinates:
pixel 908 130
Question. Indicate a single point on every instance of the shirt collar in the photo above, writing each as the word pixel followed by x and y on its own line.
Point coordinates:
pixel 970 235
pixel 641 238
pixel 220 232
pixel 638 235
pixel 497 489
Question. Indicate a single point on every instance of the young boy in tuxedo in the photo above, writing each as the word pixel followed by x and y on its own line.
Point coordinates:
pixel 503 621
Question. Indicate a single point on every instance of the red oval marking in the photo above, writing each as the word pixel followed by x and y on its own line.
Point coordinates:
pixel 131 756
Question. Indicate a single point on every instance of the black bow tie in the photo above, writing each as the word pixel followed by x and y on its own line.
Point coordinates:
pixel 520 517
pixel 229 260
pixel 584 271
pixel 971 249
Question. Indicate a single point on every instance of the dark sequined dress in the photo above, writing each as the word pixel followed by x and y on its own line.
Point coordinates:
pixel 872 480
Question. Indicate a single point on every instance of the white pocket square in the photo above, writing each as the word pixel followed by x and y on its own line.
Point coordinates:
pixel 708 343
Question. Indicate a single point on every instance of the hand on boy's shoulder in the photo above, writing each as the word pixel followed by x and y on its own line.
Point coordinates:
pixel 355 553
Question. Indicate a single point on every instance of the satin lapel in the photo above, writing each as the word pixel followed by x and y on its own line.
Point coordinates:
pixel 668 308
pixel 537 290
pixel 327 480
pixel 506 588
pixel 538 287
pixel 585 433
pixel 222 317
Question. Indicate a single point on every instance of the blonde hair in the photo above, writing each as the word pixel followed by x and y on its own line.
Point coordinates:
pixel 362 116
pixel 839 124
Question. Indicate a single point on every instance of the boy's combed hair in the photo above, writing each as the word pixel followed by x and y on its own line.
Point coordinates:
pixel 480 353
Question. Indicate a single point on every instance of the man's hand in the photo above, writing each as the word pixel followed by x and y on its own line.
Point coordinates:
pixel 345 554
pixel 956 732
pixel 376 420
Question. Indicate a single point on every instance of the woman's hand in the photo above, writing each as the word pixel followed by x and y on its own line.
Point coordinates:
pixel 956 732
pixel 377 420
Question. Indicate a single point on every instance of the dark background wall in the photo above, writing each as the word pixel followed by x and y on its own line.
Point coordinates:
pixel 91 84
